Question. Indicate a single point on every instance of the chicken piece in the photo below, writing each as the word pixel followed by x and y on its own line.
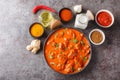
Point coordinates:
pixel 70 46
pixel 78 62
pixel 90 15
pixel 50 41
pixel 78 46
pixel 62 58
pixel 69 66
pixel 71 33
pixel 60 66
pixel 68 69
pixel 72 54
pixel 52 54
pixel 55 24
pixel 61 46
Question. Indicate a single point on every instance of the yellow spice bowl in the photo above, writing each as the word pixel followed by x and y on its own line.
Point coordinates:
pixel 36 30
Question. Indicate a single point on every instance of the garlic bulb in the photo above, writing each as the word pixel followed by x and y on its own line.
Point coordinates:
pixel 77 8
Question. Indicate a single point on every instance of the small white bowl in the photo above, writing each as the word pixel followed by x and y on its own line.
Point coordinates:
pixel 103 35
pixel 103 10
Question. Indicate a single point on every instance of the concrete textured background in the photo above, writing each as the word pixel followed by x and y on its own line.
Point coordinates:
pixel 16 63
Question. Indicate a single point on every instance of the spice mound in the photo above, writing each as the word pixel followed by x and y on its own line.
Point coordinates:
pixel 66 14
pixel 96 37
pixel 36 30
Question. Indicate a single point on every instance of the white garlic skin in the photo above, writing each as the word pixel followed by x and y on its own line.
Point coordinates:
pixel 77 8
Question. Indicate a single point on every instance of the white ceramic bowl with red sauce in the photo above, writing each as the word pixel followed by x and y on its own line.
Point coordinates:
pixel 110 15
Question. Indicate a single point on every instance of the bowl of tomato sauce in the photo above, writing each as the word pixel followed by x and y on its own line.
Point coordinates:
pixel 104 18
pixel 67 51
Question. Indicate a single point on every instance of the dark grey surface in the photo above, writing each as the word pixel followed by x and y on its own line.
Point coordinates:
pixel 16 63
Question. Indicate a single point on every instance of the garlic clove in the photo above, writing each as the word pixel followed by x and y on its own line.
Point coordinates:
pixel 90 15
pixel 77 8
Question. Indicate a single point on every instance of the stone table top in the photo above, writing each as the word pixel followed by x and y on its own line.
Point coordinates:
pixel 16 63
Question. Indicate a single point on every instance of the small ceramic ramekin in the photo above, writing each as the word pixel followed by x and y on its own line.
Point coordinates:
pixel 63 21
pixel 107 11
pixel 103 35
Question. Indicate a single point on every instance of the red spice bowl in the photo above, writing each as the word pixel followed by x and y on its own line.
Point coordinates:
pixel 104 18
pixel 65 15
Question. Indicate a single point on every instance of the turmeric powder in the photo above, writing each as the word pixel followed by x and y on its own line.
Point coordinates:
pixel 36 30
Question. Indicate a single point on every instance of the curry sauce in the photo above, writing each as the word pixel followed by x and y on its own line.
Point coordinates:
pixel 67 51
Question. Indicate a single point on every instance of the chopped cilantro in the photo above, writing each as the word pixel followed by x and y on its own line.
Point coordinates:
pixel 56 45
pixel 75 40
pixel 85 58
pixel 72 69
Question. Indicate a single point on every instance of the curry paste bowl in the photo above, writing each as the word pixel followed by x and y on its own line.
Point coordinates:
pixel 67 51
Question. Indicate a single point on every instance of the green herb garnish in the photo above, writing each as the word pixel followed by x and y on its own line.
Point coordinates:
pixel 84 59
pixel 56 45
pixel 72 69
pixel 75 40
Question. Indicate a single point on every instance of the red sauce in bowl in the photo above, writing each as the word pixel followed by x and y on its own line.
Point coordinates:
pixel 104 19
pixel 66 14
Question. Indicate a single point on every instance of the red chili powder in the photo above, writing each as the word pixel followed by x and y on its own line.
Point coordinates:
pixel 66 15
